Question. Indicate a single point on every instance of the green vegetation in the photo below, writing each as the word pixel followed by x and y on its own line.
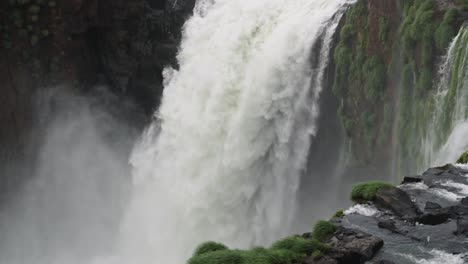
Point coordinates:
pixel 338 214
pixel 383 29
pixel 365 192
pixel 289 250
pixel 209 247
pixel 323 230
pixel 446 31
pixel 463 158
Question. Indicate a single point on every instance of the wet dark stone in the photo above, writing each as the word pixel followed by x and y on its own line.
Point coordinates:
pixel 397 201
pixel 436 217
pixel 432 206
pixel 388 224
pixel 462 226
pixel 412 179
pixel 464 201
pixel 353 246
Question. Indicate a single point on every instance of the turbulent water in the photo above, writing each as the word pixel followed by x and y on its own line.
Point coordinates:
pixel 223 159
pixel 446 135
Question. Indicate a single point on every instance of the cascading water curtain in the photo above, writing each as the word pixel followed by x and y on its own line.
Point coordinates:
pixel 224 157
pixel 446 135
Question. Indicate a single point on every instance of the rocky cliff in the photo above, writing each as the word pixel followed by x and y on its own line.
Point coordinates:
pixel 74 46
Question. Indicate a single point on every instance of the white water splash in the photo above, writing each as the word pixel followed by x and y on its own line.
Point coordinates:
pixel 450 196
pixel 224 159
pixel 362 209
pixel 437 257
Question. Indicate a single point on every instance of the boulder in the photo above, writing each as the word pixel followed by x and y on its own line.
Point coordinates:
pixel 435 217
pixel 432 206
pixel 388 224
pixel 353 246
pixel 412 179
pixel 397 201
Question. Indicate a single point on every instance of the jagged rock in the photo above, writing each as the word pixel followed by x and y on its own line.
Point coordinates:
pixel 432 206
pixel 353 246
pixel 436 217
pixel 322 260
pixel 412 179
pixel 388 224
pixel 397 201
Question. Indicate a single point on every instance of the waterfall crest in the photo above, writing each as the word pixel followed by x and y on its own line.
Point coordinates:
pixel 223 159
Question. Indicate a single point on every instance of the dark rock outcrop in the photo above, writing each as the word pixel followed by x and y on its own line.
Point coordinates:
pixel 353 246
pixel 418 217
pixel 397 201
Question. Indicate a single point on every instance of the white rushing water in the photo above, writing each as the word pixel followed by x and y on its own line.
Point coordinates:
pixel 223 159
pixel 446 136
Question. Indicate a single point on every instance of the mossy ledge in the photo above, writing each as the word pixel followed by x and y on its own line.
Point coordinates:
pixel 365 192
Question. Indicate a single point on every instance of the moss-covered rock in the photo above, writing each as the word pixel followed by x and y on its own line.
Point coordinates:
pixel 323 230
pixel 463 158
pixel 365 192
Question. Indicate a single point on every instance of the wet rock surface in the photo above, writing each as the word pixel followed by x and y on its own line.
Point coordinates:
pixel 425 218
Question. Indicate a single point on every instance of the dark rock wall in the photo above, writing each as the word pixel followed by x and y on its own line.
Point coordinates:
pixel 74 46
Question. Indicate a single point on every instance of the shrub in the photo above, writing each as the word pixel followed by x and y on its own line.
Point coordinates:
pixel 365 192
pixel 299 245
pixel 209 246
pixel 463 158
pixel 338 214
pixel 323 230
pixel 218 257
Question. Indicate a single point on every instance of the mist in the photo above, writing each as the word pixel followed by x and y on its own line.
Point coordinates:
pixel 70 208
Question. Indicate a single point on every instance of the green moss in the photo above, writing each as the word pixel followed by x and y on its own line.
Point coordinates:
pixel 383 29
pixel 376 74
pixel 323 230
pixel 463 158
pixel 445 31
pixel 365 192
pixel 209 246
pixel 338 214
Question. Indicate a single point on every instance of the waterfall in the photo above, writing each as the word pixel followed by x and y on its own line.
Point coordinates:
pixel 446 135
pixel 224 156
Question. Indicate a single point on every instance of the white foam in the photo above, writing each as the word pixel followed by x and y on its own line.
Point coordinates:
pixel 362 209
pixel 437 257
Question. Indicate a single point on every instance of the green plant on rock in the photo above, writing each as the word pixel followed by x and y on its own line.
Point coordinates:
pixel 365 192
pixel 209 246
pixel 463 158
pixel 323 230
pixel 286 251
pixel 338 214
